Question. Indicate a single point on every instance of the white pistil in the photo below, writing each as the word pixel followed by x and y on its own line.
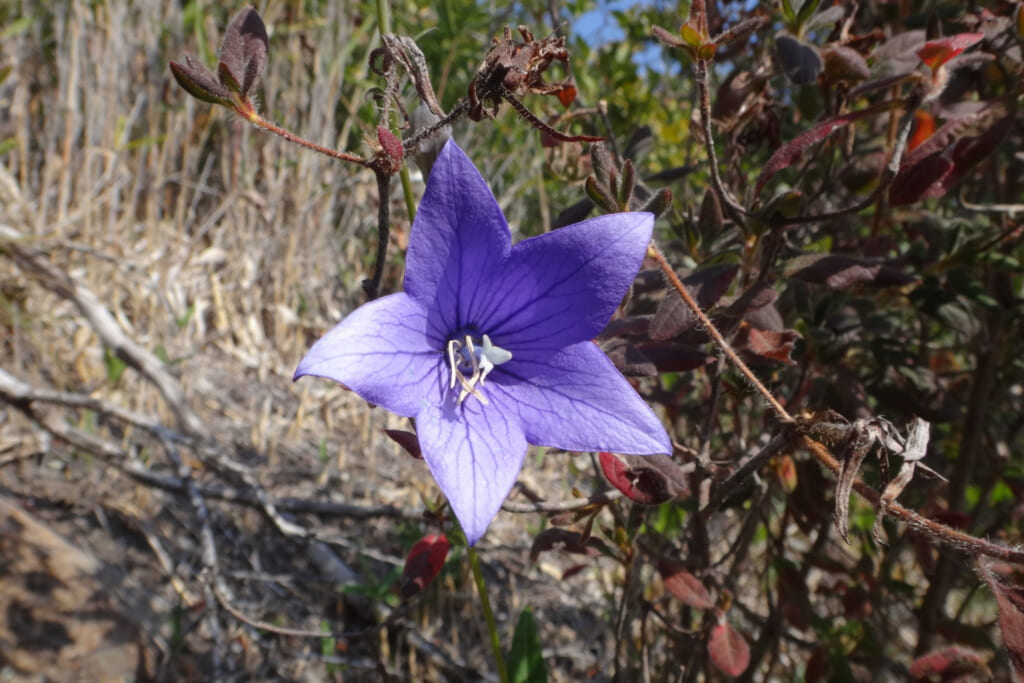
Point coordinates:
pixel 478 360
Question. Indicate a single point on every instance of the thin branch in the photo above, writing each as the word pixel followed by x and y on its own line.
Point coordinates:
pixel 720 341
pixel 700 69
pixel 254 118
pixel 734 481
pixel 103 323
pixel 940 532
pixel 599 498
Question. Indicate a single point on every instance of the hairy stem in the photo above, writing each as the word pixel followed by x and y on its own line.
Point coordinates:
pixel 254 118
pixel 719 340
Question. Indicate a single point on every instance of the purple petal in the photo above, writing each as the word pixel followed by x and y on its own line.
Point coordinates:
pixel 577 400
pixel 459 239
pixel 383 352
pixel 562 287
pixel 475 454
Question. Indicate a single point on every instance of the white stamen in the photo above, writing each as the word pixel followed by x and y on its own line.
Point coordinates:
pixel 481 359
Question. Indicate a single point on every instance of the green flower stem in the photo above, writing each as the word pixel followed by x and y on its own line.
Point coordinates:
pixel 485 604
pixel 384 24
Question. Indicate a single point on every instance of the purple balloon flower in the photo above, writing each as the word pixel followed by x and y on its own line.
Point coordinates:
pixel 489 347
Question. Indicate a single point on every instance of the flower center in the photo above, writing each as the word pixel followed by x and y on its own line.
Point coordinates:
pixel 471 359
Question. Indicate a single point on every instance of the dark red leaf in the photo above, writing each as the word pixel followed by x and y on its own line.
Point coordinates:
pixel 1005 582
pixel 729 650
pixel 683 585
pixel 630 361
pixel 706 286
pixel 934 175
pixel 243 52
pixel 409 442
pixel 423 564
pixel 758 296
pixel 946 664
pixel 647 479
pixel 839 271
pixel 935 53
pixel 791 152
pixel 673 357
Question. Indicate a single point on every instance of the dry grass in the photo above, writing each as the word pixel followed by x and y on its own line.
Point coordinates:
pixel 223 253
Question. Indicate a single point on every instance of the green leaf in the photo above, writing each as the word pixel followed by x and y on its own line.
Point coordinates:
pixel 115 366
pixel 525 662
pixel 806 11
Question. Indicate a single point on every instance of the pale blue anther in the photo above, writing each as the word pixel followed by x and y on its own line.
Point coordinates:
pixel 476 359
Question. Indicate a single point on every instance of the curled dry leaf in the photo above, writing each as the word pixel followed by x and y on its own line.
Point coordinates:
pixel 423 564
pixel 567 541
pixel 729 650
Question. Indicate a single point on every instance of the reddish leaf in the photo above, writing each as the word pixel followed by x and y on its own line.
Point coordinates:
pixel 683 585
pixel 789 153
pixel 1005 582
pixel 914 183
pixel 567 95
pixel 947 664
pixel 423 564
pixel 785 471
pixel 935 53
pixel 729 650
pixel 924 128
pixel 839 271
pixel 409 442
pixel 771 344
pixel 647 479
pixel 243 53
pixel 933 175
